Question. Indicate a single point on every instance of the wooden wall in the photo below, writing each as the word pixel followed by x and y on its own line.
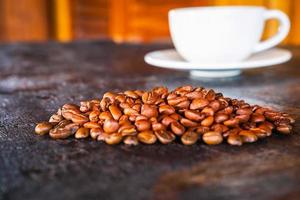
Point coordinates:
pixel 121 20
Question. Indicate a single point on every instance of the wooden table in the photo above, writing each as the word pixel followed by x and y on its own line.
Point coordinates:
pixel 36 79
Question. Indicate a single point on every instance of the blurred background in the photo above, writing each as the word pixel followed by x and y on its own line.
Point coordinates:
pixel 118 20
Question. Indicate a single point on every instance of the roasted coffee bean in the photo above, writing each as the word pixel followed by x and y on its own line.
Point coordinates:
pixel 127 129
pixel 131 94
pixel 147 137
pixel 139 92
pixel 212 138
pixel 219 128
pixel 208 121
pixel 120 98
pixel 188 123
pixel 130 111
pixel 105 115
pixel 194 115
pixel 102 136
pixel 70 106
pixel 166 120
pixel 215 105
pixel 194 95
pixel 260 133
pixel 210 95
pixel 242 118
pixel 95 132
pixel 60 133
pixel 231 131
pixel 268 124
pixel 199 104
pixel 166 109
pixel 164 136
pixel 265 128
pixel 85 106
pixel 55 118
pixel 175 116
pixel 202 129
pixel 115 112
pixel 94 116
pixel 208 111
pixel 91 125
pixel 234 139
pixel 131 140
pixel 142 125
pixel 110 126
pixel 183 105
pixel 162 91
pixel 177 100
pixel 257 118
pixel 149 111
pixel 150 97
pixel 248 136
pixel 221 117
pixel 43 128
pixel 285 129
pixel 177 128
pixel 189 138
pixel 110 96
pixel 156 126
pixel 228 110
pixel 82 133
pixel 113 138
pixel 244 111
pixel 231 122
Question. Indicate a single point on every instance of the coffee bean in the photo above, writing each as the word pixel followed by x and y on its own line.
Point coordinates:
pixel 102 136
pixel 95 132
pixel 105 115
pixel 268 124
pixel 208 111
pixel 231 122
pixel 265 128
pixel 110 126
pixel 234 139
pixel 285 129
pixel 247 136
pixel 166 120
pixel 82 133
pixel 198 104
pixel 210 95
pixel 130 111
pixel 175 116
pixel 142 125
pixel 208 121
pixel 166 109
pixel 212 138
pixel 115 112
pixel 164 136
pixel 147 137
pixel 242 118
pixel 85 106
pixel 188 123
pixel 221 117
pixel 127 129
pixel 189 138
pixel 177 100
pixel 43 128
pixel 244 111
pixel 149 111
pixel 56 118
pixel 194 115
pixel 177 128
pixel 219 128
pixel 131 94
pixel 215 105
pixel 156 126
pixel 113 138
pixel 150 97
pixel 202 129
pixel 131 140
pixel 260 133
pixel 194 95
pixel 91 125
pixel 60 133
pixel 257 118
pixel 94 116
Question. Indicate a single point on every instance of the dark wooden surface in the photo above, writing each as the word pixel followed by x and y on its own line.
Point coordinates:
pixel 36 79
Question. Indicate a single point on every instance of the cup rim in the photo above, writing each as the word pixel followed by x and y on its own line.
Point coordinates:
pixel 214 8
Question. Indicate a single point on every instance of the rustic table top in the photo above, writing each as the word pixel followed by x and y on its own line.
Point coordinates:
pixel 36 79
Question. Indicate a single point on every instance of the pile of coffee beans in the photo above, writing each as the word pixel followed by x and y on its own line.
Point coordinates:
pixel 185 114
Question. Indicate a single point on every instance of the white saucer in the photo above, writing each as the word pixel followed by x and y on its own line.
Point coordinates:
pixel 171 59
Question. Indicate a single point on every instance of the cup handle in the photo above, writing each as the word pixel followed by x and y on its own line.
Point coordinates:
pixel 283 30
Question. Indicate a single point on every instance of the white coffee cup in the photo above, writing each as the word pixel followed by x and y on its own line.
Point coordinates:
pixel 223 33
